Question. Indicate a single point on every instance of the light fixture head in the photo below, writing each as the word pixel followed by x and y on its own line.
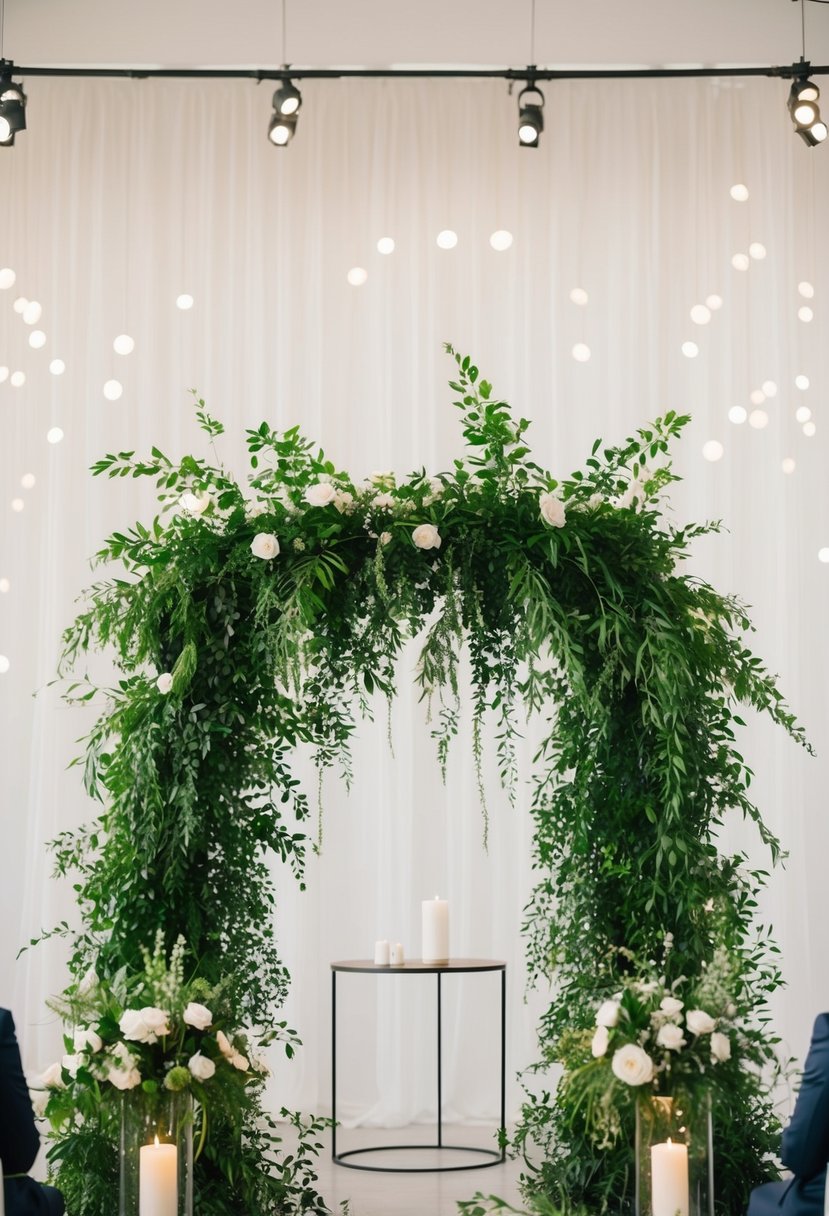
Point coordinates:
pixel 804 110
pixel 530 116
pixel 281 129
pixel 287 99
pixel 12 105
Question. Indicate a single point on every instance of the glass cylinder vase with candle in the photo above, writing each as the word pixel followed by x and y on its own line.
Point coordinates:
pixel 674 1159
pixel 156 1153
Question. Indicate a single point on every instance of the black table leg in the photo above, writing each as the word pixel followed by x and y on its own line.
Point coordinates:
pixel 440 1078
pixel 334 1065
pixel 503 1064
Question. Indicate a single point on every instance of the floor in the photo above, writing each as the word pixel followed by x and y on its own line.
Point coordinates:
pixel 414 1194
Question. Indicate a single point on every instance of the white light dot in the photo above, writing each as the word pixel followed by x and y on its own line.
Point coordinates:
pixel 19 304
pixel 385 244
pixel 32 312
pixel 57 367
pixel 5 586
pixel 501 240
pixel 123 345
pixel 714 302
pixel 740 261
pixel 757 251
pixel 770 388
pixel 805 313
pixel 37 339
pixel 17 504
pixel 4 374
pixel 757 397
pixel 739 193
pixel 822 556
pixel 4 664
pixel 806 290
pixel 581 352
pixel 803 413
pixel 579 296
pixel 447 239
pixel 113 390
pixel 690 350
pixel 758 419
pixel 809 429
pixel 27 481
pixel 184 301
pixel 713 450
pixel 737 414
pixel 7 278
pixel 54 435
pixel 18 379
pixel 357 276
pixel 787 464
pixel 700 314
pixel 802 382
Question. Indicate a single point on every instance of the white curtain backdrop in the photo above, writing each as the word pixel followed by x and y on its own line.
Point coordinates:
pixel 122 195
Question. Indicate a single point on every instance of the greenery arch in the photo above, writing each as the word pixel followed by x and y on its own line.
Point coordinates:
pixel 263 614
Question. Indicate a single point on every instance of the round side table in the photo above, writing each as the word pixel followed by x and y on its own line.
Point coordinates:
pixel 457 966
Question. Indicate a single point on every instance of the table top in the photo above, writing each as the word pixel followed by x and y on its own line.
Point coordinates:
pixel 418 967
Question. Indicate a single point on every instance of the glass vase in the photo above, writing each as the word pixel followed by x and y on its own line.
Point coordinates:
pixel 156 1165
pixel 674 1156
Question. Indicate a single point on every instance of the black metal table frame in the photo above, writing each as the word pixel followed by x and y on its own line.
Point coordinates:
pixel 498 1156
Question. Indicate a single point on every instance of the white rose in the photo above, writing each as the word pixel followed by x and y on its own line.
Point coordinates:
pixel 164 682
pixel 264 545
pixel 225 1046
pixel 87 1040
pixel 72 1064
pixel 670 1036
pixel 699 1022
pixel 239 1061
pixel 426 536
pixel 123 1056
pixel 343 501
pixel 52 1078
pixel 552 510
pixel 145 1025
pixel 720 1047
pixel 608 1013
pixel 123 1078
pixel 632 1065
pixel 671 1006
pixel 198 1016
pixel 320 494
pixel 194 504
pixel 385 538
pixel 384 501
pixel 201 1067
pixel 156 1019
pixel 600 1041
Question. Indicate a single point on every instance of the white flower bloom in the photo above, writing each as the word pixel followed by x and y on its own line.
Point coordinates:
pixel 384 501
pixel 194 504
pixel 632 1065
pixel 145 1025
pixel 164 682
pixel 608 1013
pixel 344 501
pixel 201 1067
pixel 552 510
pixel 123 1078
pixel 670 1036
pixel 720 1047
pixel 264 545
pixel 699 1022
pixel 385 538
pixel 671 1006
pixel 320 494
pixel 52 1078
pixel 198 1016
pixel 123 1056
pixel 239 1061
pixel 225 1046
pixel 87 1040
pixel 72 1063
pixel 594 501
pixel 731 1010
pixel 600 1041
pixel 38 1099
pixel 426 536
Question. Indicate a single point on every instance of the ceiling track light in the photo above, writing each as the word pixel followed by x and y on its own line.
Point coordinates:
pixel 530 115
pixel 286 102
pixel 803 107
pixel 12 105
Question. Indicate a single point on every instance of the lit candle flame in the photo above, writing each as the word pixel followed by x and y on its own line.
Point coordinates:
pixel 156 1141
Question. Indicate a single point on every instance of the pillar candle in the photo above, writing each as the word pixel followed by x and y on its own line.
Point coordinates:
pixel 381 954
pixel 158 1180
pixel 669 1179
pixel 396 956
pixel 435 930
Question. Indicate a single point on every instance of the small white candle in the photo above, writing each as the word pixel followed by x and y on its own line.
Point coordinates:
pixel 158 1180
pixel 669 1179
pixel 435 930
pixel 381 954
pixel 396 956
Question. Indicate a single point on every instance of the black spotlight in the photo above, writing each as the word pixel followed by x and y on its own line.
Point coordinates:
pixel 12 105
pixel 805 113
pixel 530 116
pixel 286 102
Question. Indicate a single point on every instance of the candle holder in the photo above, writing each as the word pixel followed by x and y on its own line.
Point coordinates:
pixel 156 1154
pixel 674 1156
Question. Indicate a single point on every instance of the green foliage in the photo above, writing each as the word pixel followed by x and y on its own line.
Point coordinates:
pixel 272 610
